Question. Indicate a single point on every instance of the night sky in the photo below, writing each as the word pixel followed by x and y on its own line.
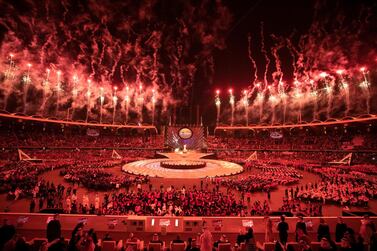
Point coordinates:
pixel 182 51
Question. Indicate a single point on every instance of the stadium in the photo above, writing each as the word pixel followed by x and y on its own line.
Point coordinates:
pixel 188 125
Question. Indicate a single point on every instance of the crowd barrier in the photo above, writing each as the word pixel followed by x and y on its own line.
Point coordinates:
pixel 151 224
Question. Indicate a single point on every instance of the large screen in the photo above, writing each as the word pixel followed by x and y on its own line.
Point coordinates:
pixel 191 136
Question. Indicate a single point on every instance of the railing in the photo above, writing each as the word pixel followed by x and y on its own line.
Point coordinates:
pixel 150 224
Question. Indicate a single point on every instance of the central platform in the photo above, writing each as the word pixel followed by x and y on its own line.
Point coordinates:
pixel 207 167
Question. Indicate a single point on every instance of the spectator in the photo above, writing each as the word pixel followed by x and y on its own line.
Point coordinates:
pixel 327 245
pixel 323 230
pixel 55 245
pixel 345 245
pixel 281 246
pixel 367 228
pixel 251 245
pixel 283 230
pixel 7 232
pixel 76 238
pixel 222 239
pixel 191 245
pixel 17 243
pixel 206 240
pixel 300 225
pixel 340 229
pixel 132 238
pixel 53 229
pixel 268 231
pixel 156 239
pixel 304 246
pixel 241 237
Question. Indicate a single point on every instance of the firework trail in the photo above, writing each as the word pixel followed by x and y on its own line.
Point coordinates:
pixel 252 60
pixel 264 51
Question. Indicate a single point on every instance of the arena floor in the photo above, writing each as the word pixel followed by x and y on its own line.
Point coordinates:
pixel 275 202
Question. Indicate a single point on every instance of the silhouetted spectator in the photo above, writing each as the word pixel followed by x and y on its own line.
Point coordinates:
pixel 323 230
pixel 300 225
pixel 7 232
pixel 53 229
pixel 340 229
pixel 283 230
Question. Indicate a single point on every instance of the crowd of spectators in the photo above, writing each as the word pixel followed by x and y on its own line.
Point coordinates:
pixel 58 136
pixel 98 179
pixel 346 189
pixel 19 178
pixel 296 207
pixel 179 202
pixel 296 140
pixel 260 209
pixel 267 180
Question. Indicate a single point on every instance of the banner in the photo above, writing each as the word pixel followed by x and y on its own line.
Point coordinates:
pixel 164 222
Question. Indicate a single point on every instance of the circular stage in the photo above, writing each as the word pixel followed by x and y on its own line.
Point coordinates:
pixel 153 168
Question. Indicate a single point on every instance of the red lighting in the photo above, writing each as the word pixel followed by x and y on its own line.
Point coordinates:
pixel 323 74
pixel 363 69
pixel 340 71
pixel 217 91
pixel 230 90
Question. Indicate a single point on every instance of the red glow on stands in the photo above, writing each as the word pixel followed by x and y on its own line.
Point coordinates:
pixel 323 74
pixel 340 71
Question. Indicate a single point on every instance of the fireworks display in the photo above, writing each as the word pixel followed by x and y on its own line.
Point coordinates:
pixel 135 62
pixel 327 72
pixel 107 61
